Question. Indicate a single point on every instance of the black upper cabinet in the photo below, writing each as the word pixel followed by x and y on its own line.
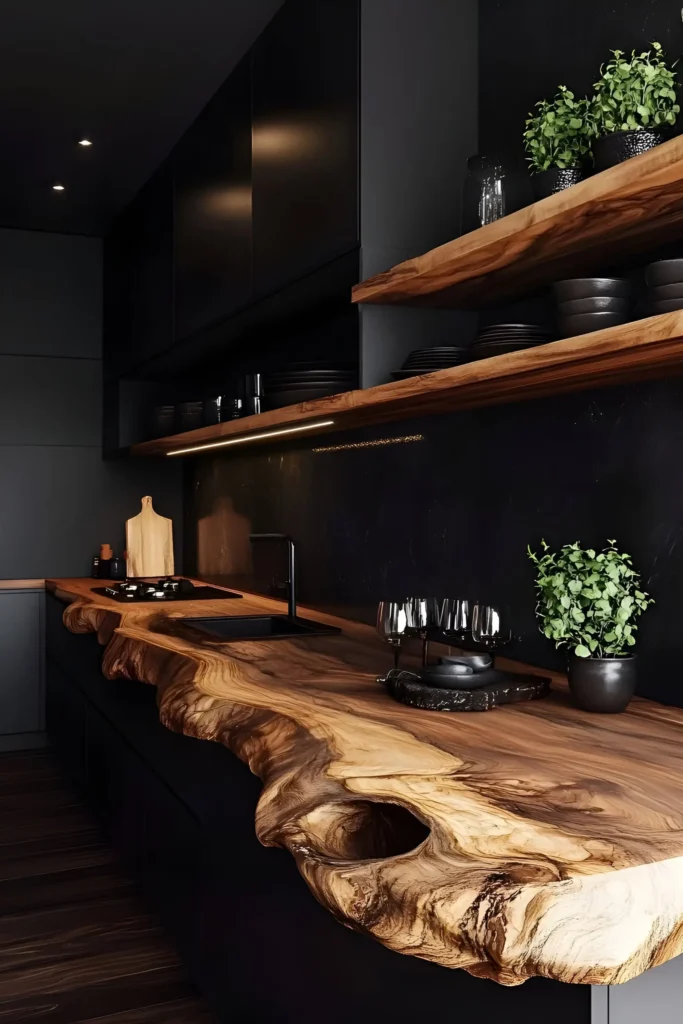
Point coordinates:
pixel 213 209
pixel 138 278
pixel 305 140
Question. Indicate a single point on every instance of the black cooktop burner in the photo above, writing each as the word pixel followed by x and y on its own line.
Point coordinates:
pixel 169 588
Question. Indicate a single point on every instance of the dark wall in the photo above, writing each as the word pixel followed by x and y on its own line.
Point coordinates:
pixel 529 47
pixel 453 514
pixel 58 500
pixel 418 125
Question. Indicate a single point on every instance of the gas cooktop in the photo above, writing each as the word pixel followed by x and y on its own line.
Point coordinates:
pixel 169 588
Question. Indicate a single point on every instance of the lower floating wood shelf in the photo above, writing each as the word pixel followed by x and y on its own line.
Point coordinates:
pixel 636 351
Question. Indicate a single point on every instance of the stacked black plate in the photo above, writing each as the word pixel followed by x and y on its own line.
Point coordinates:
pixel 502 338
pixel 304 382
pixel 427 360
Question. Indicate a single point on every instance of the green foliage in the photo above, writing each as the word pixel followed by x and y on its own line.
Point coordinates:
pixel 588 601
pixel 635 92
pixel 559 135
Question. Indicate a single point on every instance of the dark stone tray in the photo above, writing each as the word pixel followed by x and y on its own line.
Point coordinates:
pixel 509 689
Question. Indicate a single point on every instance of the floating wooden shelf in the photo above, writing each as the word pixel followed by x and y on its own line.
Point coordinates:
pixel 614 214
pixel 642 349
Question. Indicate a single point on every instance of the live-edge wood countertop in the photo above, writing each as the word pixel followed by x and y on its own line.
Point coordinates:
pixel 555 842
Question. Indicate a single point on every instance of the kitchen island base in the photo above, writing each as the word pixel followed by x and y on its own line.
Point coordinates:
pixel 260 948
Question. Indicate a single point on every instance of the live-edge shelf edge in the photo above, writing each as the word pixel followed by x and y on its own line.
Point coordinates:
pixel 619 212
pixel 634 351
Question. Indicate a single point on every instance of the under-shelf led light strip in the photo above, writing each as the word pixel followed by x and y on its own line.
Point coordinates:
pixel 252 437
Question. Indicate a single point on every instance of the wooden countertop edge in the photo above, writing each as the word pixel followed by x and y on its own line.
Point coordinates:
pixel 22 584
pixel 502 896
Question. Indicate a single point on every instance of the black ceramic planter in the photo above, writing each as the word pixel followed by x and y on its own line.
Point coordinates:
pixel 555 179
pixel 604 685
pixel 616 147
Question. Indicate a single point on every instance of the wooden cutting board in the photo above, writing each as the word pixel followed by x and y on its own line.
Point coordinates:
pixel 149 543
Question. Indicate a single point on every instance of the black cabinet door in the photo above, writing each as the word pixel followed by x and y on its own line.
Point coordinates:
pixel 213 209
pixel 305 140
pixel 115 779
pixel 65 713
pixel 138 278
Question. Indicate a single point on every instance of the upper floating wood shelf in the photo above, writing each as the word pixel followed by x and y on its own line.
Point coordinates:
pixel 635 351
pixel 633 206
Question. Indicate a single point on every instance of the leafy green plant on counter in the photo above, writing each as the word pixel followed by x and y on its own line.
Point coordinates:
pixel 588 601
pixel 635 93
pixel 560 134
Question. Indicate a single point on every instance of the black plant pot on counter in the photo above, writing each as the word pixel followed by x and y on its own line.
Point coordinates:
pixel 555 179
pixel 616 147
pixel 603 685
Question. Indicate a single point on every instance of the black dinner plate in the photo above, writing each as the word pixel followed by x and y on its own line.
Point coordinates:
pixel 488 351
pixel 306 385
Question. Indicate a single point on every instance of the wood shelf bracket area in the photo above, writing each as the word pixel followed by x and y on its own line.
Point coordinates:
pixel 612 215
pixel 643 349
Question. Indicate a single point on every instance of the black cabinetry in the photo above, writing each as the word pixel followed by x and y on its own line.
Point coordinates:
pixel 305 140
pixel 138 279
pixel 260 948
pixel 212 243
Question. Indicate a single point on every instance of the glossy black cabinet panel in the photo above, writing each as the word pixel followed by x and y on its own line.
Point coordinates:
pixel 138 278
pixel 305 147
pixel 66 709
pixel 212 242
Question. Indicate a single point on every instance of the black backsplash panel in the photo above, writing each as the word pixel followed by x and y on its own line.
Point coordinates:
pixel 453 514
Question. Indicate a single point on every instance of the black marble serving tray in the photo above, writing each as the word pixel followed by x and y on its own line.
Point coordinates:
pixel 507 689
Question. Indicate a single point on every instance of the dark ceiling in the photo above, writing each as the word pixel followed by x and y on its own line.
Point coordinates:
pixel 131 75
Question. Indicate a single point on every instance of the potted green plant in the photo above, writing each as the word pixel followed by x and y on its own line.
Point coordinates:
pixel 589 602
pixel 634 103
pixel 558 142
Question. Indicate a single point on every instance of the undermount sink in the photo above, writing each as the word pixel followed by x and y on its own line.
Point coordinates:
pixel 259 627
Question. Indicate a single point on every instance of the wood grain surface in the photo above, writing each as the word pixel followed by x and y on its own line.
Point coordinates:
pixel 634 351
pixel 531 840
pixel 75 941
pixel 635 205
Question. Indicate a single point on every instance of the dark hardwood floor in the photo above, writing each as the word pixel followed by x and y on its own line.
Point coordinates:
pixel 75 942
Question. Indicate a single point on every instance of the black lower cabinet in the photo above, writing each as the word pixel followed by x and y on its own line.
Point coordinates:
pixel 258 945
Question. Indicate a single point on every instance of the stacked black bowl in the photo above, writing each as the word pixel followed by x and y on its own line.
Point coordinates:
pixel 428 360
pixel 665 286
pixel 592 303
pixel 498 339
pixel 306 381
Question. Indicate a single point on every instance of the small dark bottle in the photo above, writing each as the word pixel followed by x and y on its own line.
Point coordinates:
pixel 95 573
pixel 117 568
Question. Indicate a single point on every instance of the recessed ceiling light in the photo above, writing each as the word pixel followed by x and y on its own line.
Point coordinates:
pixel 58 188
pixel 85 142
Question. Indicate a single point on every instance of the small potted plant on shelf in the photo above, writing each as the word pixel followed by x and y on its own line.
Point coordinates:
pixel 589 602
pixel 634 103
pixel 558 142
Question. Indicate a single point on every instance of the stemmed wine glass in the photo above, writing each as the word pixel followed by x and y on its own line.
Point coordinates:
pixel 392 625
pixel 425 614
pixel 456 618
pixel 490 626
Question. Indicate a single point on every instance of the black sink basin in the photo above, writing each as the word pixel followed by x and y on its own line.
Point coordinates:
pixel 259 627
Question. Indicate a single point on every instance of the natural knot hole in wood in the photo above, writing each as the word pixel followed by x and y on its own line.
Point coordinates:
pixel 362 830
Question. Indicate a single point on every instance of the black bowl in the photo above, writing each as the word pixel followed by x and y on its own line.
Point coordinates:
pixel 586 323
pixel 668 306
pixel 596 304
pixel 664 272
pixel 664 292
pixel 590 287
